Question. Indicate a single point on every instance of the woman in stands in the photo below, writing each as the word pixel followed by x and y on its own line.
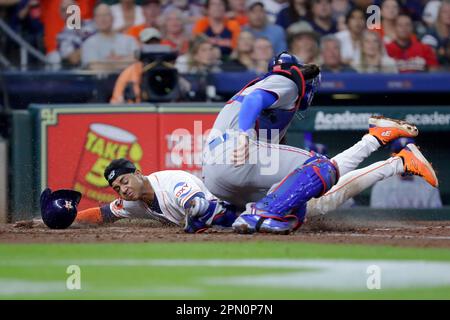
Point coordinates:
pixel 199 59
pixel 373 56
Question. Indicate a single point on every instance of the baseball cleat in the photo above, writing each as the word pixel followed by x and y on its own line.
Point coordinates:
pixel 415 163
pixel 387 130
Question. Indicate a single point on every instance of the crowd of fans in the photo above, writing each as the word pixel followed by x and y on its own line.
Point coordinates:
pixel 239 35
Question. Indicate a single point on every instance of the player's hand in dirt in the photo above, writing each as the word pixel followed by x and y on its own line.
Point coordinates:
pixel 241 152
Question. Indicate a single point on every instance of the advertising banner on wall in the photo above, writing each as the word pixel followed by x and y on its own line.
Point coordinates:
pixel 426 118
pixel 78 143
pixel 182 139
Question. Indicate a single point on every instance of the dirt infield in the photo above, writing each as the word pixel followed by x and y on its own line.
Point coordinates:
pixel 393 233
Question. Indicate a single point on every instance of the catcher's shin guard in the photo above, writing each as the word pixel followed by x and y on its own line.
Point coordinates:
pixel 283 209
pixel 218 213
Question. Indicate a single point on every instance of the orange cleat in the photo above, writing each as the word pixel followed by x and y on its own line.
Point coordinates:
pixel 415 163
pixel 387 130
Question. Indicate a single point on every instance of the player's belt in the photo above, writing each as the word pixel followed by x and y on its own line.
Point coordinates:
pixel 216 141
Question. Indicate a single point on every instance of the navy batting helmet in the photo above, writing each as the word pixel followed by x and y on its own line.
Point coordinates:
pixel 59 208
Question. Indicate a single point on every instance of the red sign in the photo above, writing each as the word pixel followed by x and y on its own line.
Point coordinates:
pixel 81 145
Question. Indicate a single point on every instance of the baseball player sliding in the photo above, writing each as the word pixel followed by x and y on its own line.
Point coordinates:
pixel 171 196
pixel 245 166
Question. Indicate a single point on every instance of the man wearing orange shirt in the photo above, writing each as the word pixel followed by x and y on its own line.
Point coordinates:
pixel 53 20
pixel 221 31
pixel 151 10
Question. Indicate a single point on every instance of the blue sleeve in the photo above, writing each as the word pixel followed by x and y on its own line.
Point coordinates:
pixel 252 105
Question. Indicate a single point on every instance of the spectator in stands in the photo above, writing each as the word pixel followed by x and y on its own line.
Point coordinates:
pixel 412 8
pixel 107 50
pixel 191 11
pixel 259 26
pixel 262 53
pixel 221 31
pixel 402 191
pixel 438 36
pixel 303 42
pixel 200 58
pixel 273 8
pixel 296 11
pixel 331 55
pixel 322 17
pixel 70 40
pixel 430 12
pixel 241 58
pixel 126 14
pixel 445 59
pixel 87 8
pixel 151 10
pixel 390 9
pixel 54 24
pixel 410 54
pixel 26 20
pixel 351 38
pixel 373 56
pixel 362 4
pixel 340 8
pixel 175 35
pixel 238 11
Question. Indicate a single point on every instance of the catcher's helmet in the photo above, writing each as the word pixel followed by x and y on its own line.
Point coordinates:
pixel 310 73
pixel 59 208
pixel 285 60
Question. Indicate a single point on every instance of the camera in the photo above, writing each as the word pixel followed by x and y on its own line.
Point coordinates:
pixel 160 80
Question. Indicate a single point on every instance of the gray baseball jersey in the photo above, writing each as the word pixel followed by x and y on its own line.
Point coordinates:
pixel 268 163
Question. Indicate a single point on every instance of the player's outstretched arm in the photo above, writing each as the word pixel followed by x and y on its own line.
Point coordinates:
pixel 97 215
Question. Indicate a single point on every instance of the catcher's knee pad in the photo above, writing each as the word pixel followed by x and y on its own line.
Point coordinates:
pixel 312 179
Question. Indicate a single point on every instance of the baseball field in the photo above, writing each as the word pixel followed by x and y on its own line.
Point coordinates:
pixel 140 260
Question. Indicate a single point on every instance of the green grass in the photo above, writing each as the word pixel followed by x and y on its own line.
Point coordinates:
pixel 125 271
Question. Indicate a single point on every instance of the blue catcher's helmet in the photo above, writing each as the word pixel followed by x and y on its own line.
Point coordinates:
pixel 286 61
pixel 59 208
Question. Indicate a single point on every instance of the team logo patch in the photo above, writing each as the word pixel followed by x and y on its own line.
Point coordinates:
pixel 181 189
pixel 112 174
pixel 68 204
pixel 118 204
